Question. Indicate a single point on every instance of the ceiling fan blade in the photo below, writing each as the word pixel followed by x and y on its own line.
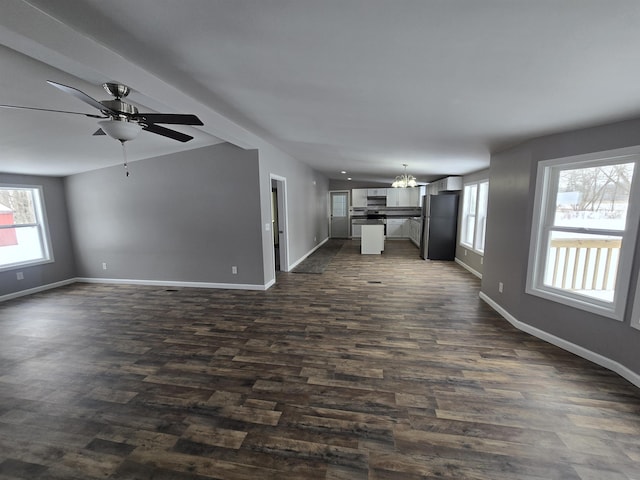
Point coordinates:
pixel 98 132
pixel 81 96
pixel 18 107
pixel 169 118
pixel 167 132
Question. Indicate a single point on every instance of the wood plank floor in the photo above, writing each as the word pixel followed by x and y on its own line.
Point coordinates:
pixel 383 367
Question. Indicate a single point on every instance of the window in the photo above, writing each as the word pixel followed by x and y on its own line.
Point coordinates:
pixel 584 232
pixel 23 233
pixel 474 215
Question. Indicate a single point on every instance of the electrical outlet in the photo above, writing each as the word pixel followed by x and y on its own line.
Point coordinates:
pixel 315 239
pixel 234 270
pixel 481 260
pixel 20 275
pixel 500 287
pixel 104 265
pixel 465 252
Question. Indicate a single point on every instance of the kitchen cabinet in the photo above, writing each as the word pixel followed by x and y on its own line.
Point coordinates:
pixel 372 239
pixel 415 229
pixel 377 192
pixel 395 227
pixel 403 197
pixel 447 184
pixel 356 230
pixel 399 227
pixel 359 197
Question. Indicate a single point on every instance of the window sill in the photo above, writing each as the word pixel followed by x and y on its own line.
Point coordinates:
pixel 18 266
pixel 578 302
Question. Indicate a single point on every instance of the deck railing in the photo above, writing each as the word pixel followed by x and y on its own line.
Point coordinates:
pixel 584 264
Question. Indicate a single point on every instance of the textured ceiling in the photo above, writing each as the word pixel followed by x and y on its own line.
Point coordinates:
pixel 356 85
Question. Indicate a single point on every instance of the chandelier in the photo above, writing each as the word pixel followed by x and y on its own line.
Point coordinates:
pixel 404 180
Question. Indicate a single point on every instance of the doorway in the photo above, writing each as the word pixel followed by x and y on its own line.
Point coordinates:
pixel 339 225
pixel 279 223
pixel 275 227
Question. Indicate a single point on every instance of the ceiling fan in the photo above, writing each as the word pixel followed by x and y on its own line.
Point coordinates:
pixel 122 120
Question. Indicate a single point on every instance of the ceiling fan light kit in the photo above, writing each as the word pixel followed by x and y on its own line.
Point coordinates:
pixel 121 130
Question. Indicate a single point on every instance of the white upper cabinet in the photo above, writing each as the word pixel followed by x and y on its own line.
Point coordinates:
pixel 359 197
pixel 447 184
pixel 403 197
pixel 377 192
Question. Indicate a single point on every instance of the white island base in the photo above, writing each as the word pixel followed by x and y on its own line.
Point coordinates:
pixel 372 241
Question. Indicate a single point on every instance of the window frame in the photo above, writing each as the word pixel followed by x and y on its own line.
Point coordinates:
pixel 544 209
pixel 42 225
pixel 476 215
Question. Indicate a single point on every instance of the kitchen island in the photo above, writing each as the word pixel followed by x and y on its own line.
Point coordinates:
pixel 372 241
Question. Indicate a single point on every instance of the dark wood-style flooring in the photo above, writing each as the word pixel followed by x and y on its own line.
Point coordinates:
pixel 383 367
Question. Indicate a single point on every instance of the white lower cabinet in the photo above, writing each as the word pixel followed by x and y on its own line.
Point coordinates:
pixel 415 230
pixel 372 239
pixel 395 227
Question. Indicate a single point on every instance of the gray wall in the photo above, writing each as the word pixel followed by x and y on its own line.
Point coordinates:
pixel 472 259
pixel 307 206
pixel 511 193
pixel 184 217
pixel 63 268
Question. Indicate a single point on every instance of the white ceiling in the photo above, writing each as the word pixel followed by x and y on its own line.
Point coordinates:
pixel 356 85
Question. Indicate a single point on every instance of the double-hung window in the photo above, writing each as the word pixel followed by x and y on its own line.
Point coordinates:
pixel 24 239
pixel 584 231
pixel 474 215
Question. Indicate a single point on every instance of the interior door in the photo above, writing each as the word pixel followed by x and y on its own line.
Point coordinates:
pixel 339 215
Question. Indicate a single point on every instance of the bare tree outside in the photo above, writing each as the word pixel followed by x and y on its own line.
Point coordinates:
pixel 21 202
pixel 596 189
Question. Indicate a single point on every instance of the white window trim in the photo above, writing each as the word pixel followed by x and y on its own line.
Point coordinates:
pixel 615 309
pixel 41 214
pixel 475 220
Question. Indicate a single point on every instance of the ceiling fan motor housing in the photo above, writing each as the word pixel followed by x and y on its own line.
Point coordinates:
pixel 123 109
pixel 116 89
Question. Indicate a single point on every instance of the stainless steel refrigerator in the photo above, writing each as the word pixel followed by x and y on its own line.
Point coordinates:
pixel 439 226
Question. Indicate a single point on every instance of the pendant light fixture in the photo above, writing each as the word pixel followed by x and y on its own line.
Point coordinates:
pixel 404 180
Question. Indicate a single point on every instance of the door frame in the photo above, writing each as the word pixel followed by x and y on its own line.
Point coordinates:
pixel 330 211
pixel 280 184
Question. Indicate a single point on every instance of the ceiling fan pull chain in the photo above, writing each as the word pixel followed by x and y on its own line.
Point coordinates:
pixel 124 155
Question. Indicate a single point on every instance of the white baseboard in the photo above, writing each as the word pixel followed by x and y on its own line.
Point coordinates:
pixel 41 288
pixel 170 283
pixel 594 357
pixel 270 284
pixel 120 281
pixel 304 257
pixel 467 267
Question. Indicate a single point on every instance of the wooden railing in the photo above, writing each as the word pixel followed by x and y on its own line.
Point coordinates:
pixel 584 264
